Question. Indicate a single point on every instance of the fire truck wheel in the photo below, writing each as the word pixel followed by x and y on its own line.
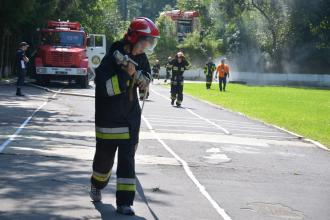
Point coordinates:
pixel 83 81
pixel 41 80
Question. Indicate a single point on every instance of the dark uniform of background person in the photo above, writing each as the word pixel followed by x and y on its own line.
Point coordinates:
pixel 156 69
pixel 22 61
pixel 118 113
pixel 208 71
pixel 179 64
pixel 168 69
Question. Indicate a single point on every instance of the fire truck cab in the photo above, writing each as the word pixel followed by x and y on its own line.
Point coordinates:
pixel 67 52
pixel 186 22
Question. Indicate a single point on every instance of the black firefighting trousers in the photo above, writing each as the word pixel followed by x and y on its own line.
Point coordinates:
pixel 208 81
pixel 102 166
pixel 177 91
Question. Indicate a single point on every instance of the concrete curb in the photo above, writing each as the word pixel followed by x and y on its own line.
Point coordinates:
pixel 316 143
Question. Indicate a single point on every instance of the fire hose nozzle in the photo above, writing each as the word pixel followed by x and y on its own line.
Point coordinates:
pixel 123 59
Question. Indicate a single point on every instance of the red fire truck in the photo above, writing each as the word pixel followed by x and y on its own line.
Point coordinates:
pixel 67 52
pixel 186 22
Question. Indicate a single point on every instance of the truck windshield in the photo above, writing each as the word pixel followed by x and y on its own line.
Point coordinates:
pixel 63 39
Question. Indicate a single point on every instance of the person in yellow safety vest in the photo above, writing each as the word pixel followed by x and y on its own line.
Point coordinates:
pixel 223 74
pixel 208 71
pixel 179 64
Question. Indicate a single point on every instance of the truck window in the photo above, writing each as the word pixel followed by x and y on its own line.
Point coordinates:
pixel 63 39
pixel 98 41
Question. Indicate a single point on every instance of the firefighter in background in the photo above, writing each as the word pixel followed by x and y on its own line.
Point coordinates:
pixel 156 69
pixel 223 74
pixel 208 71
pixel 22 61
pixel 179 64
pixel 168 69
pixel 118 113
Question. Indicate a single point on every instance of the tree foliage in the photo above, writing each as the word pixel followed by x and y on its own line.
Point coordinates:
pixel 258 35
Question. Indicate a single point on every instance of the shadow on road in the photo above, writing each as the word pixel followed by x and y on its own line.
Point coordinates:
pixel 107 211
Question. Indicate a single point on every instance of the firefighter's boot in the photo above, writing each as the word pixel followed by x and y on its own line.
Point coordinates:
pixel 125 210
pixel 172 101
pixel 95 194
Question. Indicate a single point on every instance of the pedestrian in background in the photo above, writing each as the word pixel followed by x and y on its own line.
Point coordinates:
pixel 223 74
pixel 21 64
pixel 179 64
pixel 208 71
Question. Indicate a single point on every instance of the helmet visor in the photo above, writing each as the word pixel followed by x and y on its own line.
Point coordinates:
pixel 151 43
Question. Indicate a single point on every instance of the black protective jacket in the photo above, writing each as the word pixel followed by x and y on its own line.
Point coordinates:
pixel 117 110
pixel 178 70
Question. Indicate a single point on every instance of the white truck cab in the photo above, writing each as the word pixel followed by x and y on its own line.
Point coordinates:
pixel 96 50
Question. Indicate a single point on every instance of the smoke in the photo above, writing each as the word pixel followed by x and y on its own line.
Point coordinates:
pixel 251 47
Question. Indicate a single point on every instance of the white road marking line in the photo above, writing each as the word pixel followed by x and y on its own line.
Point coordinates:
pixel 231 122
pixel 263 136
pixel 213 150
pixel 177 121
pixel 189 120
pixel 195 114
pixel 237 124
pixel 255 131
pixel 189 131
pixel 169 118
pixel 13 136
pixel 210 122
pixel 181 125
pixel 189 173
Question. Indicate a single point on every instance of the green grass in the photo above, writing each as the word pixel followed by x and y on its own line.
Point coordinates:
pixel 305 111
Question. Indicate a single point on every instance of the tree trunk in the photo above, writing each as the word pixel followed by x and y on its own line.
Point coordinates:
pixel 2 51
pixel 7 56
pixel 270 25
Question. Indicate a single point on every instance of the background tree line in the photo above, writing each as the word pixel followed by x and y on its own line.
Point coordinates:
pixel 257 35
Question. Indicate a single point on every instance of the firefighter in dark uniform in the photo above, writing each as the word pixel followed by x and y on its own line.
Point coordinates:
pixel 156 69
pixel 209 68
pixel 179 64
pixel 168 69
pixel 22 61
pixel 118 113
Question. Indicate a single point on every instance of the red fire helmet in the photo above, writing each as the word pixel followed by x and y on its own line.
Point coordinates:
pixel 142 28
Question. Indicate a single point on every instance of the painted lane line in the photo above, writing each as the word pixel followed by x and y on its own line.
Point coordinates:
pixel 254 131
pixel 157 93
pixel 195 114
pixel 189 173
pixel 189 131
pixel 210 122
pixel 264 136
pixel 169 117
pixel 13 136
pixel 180 125
pixel 176 121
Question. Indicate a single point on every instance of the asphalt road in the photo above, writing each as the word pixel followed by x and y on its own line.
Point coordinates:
pixel 195 162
